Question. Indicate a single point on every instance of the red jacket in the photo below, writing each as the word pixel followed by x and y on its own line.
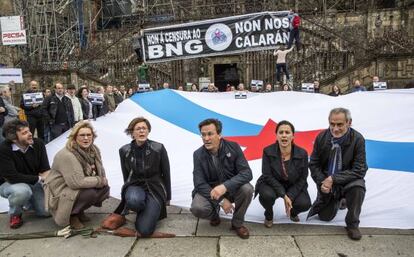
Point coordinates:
pixel 296 21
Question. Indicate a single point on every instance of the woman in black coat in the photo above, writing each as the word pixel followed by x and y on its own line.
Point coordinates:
pixel 284 174
pixel 88 109
pixel 146 172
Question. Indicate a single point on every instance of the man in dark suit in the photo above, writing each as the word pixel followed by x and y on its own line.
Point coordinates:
pixel 338 167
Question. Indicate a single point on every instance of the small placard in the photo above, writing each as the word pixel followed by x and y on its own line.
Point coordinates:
pixel 258 84
pixel 203 83
pixel 96 98
pixel 11 74
pixel 380 85
pixel 308 87
pixel 240 95
pixel 30 99
pixel 143 87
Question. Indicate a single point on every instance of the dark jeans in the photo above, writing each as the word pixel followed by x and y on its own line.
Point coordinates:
pixel 88 197
pixel 36 123
pixel 354 199
pixel 268 196
pixel 204 208
pixel 47 134
pixel 279 67
pixel 148 209
pixel 58 129
pixel 294 35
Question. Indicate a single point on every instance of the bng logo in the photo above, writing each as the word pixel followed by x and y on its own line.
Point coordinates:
pixel 218 37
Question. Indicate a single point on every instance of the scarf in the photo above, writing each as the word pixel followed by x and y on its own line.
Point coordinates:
pixel 335 158
pixel 90 159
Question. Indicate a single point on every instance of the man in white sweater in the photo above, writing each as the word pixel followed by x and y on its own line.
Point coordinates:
pixel 281 62
pixel 77 108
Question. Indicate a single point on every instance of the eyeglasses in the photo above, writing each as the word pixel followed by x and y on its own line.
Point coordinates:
pixel 85 135
pixel 141 129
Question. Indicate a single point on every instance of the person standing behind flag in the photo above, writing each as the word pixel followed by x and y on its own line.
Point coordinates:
pixel 77 108
pixel 34 112
pixel 59 111
pixel 281 62
pixel 3 114
pixel 294 29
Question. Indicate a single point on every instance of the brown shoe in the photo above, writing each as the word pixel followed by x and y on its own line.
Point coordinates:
pixel 126 232
pixel 75 223
pixel 353 233
pixel 215 222
pixel 242 232
pixel 268 223
pixel 83 218
pixel 113 221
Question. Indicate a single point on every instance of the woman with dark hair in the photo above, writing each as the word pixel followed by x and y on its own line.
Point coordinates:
pixel 130 92
pixel 284 174
pixel 77 179
pixel 336 91
pixel 147 186
pixel 285 87
pixel 194 87
pixel 87 107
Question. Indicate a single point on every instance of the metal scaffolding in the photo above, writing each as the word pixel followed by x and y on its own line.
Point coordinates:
pixel 53 31
pixel 94 37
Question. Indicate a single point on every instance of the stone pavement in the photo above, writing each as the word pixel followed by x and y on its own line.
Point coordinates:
pixel 197 238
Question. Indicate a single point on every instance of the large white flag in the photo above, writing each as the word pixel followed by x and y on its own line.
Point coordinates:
pixel 385 119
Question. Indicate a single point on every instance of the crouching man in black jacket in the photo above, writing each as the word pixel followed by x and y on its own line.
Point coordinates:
pixel 23 168
pixel 221 177
pixel 338 167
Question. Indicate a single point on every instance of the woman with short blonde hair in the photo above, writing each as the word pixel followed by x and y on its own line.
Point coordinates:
pixel 77 179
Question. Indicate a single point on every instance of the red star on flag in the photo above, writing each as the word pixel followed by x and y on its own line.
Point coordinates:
pixel 254 145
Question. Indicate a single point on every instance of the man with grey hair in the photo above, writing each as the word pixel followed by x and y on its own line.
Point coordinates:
pixel 338 167
pixel 11 111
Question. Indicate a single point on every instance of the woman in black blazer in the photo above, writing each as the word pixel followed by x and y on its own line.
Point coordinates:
pixel 284 174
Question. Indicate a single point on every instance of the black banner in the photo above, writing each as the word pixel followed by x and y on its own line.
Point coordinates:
pixel 224 36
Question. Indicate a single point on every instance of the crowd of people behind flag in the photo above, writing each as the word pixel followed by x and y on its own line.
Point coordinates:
pixel 77 180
